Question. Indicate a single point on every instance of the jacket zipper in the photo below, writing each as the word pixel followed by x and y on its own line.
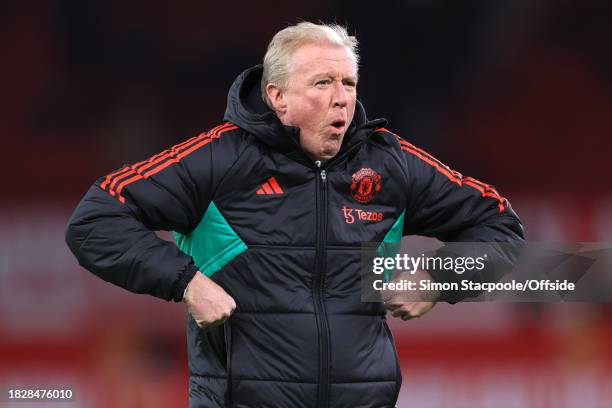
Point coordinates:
pixel 318 286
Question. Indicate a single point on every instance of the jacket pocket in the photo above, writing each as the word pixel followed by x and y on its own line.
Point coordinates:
pixel 398 370
pixel 227 331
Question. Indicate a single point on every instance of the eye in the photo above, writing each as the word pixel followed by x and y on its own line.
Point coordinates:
pixel 350 84
pixel 323 82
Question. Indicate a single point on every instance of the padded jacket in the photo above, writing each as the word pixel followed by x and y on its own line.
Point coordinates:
pixel 282 235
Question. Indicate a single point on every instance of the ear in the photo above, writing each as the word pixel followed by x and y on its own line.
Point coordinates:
pixel 277 98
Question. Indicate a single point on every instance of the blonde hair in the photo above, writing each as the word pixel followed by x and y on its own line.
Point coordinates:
pixel 277 61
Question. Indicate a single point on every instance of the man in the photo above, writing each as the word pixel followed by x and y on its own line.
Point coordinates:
pixel 269 211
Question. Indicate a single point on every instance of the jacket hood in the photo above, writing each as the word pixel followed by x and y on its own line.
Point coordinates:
pixel 246 109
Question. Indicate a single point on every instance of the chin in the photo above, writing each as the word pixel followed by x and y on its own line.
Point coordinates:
pixel 329 154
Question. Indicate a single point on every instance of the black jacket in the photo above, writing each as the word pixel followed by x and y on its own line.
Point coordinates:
pixel 283 237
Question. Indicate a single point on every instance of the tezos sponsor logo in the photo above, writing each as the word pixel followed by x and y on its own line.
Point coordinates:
pixel 352 214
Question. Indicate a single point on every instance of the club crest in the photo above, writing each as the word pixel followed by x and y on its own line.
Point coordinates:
pixel 365 185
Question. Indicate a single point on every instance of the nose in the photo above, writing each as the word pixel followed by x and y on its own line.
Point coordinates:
pixel 339 97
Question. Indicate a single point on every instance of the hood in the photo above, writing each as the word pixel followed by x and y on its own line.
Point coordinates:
pixel 246 109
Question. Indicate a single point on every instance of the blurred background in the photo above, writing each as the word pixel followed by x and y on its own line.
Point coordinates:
pixel 514 93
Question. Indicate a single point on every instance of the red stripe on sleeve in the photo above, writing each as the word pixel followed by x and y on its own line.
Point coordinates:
pixel 486 190
pixel 174 155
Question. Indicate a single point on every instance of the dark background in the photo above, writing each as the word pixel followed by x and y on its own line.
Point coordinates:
pixel 514 93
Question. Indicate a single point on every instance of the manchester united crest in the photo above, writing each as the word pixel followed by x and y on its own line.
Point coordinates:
pixel 365 185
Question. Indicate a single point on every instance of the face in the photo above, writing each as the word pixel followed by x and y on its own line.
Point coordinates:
pixel 320 97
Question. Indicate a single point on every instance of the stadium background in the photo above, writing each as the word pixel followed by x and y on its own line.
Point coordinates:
pixel 516 93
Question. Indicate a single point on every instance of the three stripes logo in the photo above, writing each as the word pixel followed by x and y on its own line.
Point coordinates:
pixel 117 181
pixel 270 187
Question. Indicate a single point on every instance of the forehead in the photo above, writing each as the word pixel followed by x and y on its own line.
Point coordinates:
pixel 317 58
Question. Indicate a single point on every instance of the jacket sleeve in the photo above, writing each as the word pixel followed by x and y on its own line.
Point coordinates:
pixel 111 231
pixel 446 205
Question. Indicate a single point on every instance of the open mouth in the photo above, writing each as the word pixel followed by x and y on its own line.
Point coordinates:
pixel 338 124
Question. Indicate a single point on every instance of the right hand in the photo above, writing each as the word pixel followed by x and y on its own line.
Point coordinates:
pixel 207 302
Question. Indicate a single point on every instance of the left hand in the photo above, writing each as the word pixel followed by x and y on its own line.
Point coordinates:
pixel 410 309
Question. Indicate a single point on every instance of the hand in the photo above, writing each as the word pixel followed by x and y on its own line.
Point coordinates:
pixel 207 302
pixel 408 309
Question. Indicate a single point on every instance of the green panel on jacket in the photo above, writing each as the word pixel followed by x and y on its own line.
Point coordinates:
pixel 213 243
pixel 390 245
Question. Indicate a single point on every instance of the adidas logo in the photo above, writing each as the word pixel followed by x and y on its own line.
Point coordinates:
pixel 270 187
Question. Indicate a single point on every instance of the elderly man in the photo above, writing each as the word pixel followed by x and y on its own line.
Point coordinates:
pixel 270 210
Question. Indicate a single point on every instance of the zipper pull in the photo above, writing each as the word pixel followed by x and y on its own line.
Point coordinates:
pixel 323 172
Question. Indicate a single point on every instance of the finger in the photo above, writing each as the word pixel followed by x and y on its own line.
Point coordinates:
pixel 219 322
pixel 406 317
pixel 398 312
pixel 419 309
pixel 203 323
pixel 389 295
pixel 392 306
pixel 409 309
pixel 233 305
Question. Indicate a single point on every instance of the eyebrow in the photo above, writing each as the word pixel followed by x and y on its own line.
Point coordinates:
pixel 332 75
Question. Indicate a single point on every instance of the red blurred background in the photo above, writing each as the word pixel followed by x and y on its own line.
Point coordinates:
pixel 518 94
